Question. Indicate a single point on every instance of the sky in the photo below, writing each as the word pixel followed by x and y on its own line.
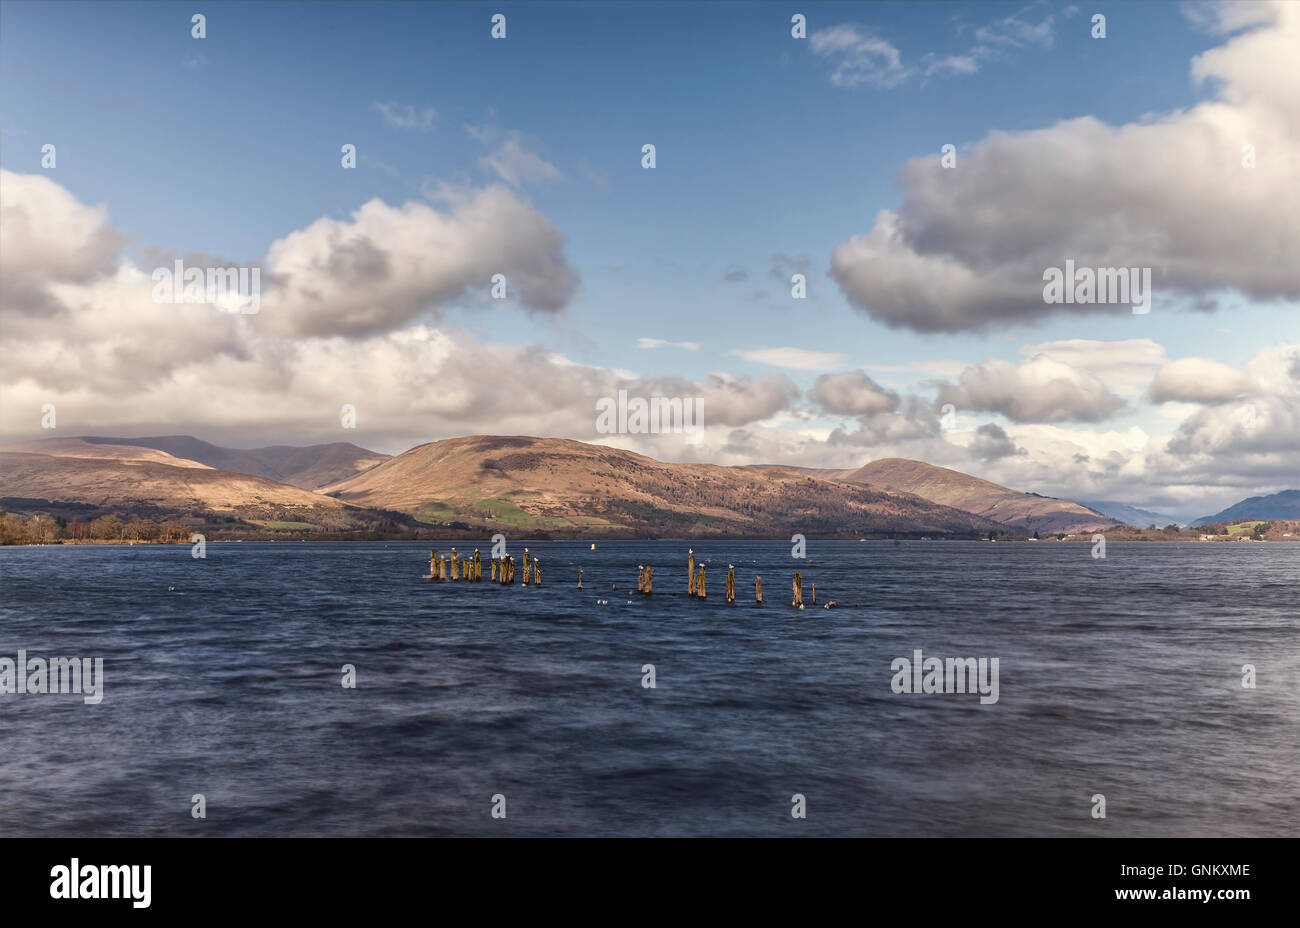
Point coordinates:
pixel 924 332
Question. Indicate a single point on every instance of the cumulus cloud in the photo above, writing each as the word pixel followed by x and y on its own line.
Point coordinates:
pixel 852 393
pixel 992 443
pixel 1125 366
pixel 388 265
pixel 968 246
pixel 48 236
pixel 1199 380
pixel 1038 390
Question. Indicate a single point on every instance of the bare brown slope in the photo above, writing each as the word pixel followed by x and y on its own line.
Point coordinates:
pixel 81 448
pixel 1026 512
pixel 541 484
pixel 152 489
pixel 309 467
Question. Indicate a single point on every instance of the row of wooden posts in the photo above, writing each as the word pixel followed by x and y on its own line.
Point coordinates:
pixel 469 569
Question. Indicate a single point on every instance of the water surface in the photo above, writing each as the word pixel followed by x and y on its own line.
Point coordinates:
pixel 1119 676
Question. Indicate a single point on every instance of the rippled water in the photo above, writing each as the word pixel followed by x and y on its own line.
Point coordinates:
pixel 1119 676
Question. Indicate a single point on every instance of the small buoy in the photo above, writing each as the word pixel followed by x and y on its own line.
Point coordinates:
pixel 593 546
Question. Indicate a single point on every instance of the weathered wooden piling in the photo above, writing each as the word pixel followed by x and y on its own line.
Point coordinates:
pixel 494 570
pixel 455 565
pixel 813 587
pixel 640 578
pixel 537 572
pixel 649 579
pixel 699 584
pixel 579 578
pixel 478 566
pixel 731 583
pixel 511 561
pixel 433 560
pixel 690 572
pixel 758 590
pixel 798 590
pixel 528 563
pixel 442 571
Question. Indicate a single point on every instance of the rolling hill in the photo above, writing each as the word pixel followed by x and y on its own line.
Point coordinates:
pixel 1023 512
pixel 73 477
pixel 309 467
pixel 557 485
pixel 1282 505
pixel 1132 515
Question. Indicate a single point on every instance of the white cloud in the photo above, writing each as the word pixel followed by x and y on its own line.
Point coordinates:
pixel 1199 380
pixel 518 165
pixel 1038 390
pixel 664 343
pixel 852 393
pixel 1125 366
pixel 968 247
pixel 795 358
pixel 389 265
pixel 859 57
pixel 406 116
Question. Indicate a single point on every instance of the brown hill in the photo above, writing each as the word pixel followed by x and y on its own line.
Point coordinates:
pixel 557 485
pixel 1023 512
pixel 309 467
pixel 146 483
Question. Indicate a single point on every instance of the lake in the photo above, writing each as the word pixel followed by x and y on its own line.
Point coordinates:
pixel 1119 676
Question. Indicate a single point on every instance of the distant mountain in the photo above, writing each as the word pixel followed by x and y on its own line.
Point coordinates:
pixel 1132 515
pixel 1022 512
pixel 1282 505
pixel 87 479
pixel 309 467
pixel 556 485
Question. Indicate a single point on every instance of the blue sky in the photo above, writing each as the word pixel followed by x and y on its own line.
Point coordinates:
pixel 223 145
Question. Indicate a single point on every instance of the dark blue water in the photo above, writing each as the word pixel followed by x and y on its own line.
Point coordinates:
pixel 1119 676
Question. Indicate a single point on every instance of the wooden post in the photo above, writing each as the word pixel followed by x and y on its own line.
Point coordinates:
pixel 579 578
pixel 528 563
pixel 690 572
pixel 442 571
pixel 814 593
pixel 649 580
pixel 433 560
pixel 494 570
pixel 537 572
pixel 699 584
pixel 731 583
pixel 512 569
pixel 478 566
pixel 758 590
pixel 455 568
pixel 798 590
pixel 640 578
